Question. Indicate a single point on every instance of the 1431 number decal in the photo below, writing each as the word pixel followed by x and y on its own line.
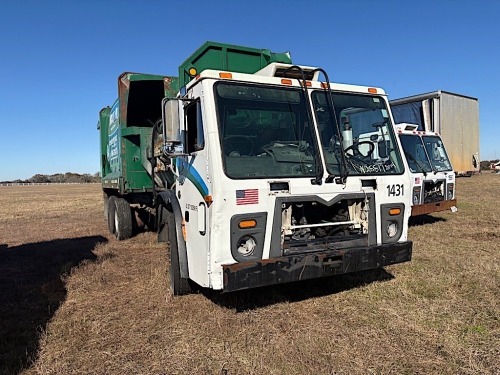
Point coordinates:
pixel 395 190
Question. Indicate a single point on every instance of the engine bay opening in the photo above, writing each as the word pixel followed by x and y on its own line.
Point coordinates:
pixel 314 226
pixel 434 191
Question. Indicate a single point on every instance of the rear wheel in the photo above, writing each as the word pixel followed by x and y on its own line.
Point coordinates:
pixel 123 224
pixel 179 285
pixel 110 214
pixel 105 198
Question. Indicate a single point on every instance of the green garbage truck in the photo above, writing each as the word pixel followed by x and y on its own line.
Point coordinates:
pixel 255 171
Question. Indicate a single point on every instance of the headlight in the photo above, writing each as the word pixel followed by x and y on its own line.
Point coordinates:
pixel 392 229
pixel 450 188
pixel 416 195
pixel 392 223
pixel 246 245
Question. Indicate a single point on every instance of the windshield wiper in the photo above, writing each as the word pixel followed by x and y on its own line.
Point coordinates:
pixel 422 170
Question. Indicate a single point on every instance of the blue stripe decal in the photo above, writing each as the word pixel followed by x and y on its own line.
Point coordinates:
pixel 187 170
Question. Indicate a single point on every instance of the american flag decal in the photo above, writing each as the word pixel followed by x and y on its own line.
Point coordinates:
pixel 248 196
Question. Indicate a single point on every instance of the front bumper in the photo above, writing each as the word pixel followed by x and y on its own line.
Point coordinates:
pixel 245 275
pixel 429 208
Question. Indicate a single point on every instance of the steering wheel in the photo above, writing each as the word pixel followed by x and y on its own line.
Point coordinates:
pixel 355 149
pixel 238 145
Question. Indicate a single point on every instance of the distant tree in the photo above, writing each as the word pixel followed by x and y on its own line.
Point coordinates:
pixel 39 179
pixel 57 178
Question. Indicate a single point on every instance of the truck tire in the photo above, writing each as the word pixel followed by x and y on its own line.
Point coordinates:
pixel 105 198
pixel 162 216
pixel 111 214
pixel 178 285
pixel 122 219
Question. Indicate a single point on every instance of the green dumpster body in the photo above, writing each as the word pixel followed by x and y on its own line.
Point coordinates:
pixel 126 127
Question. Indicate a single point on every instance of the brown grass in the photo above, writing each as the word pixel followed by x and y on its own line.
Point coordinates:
pixel 74 300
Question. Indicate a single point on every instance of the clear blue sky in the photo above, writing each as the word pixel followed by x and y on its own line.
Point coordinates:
pixel 60 59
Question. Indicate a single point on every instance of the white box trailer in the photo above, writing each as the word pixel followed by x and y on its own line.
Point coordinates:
pixel 455 117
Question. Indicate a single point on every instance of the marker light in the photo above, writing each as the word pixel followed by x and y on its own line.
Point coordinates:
pixel 226 75
pixel 372 90
pixel 286 81
pixel 394 211
pixel 184 232
pixel 192 72
pixel 245 224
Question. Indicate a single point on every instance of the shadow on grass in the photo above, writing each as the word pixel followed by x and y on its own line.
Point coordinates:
pixel 297 291
pixel 31 289
pixel 423 220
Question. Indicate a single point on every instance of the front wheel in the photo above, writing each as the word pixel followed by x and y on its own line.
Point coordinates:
pixel 178 285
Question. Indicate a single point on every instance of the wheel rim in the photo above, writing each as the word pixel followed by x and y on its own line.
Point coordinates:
pixel 116 222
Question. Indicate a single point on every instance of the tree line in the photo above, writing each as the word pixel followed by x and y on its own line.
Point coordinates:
pixel 60 178
pixel 69 177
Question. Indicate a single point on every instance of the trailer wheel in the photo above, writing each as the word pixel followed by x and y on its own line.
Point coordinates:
pixel 110 214
pixel 178 285
pixel 122 219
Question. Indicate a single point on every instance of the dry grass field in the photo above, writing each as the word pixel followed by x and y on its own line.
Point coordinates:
pixel 73 300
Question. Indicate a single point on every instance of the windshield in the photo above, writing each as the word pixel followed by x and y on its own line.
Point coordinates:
pixel 416 156
pixel 367 137
pixel 437 153
pixel 264 131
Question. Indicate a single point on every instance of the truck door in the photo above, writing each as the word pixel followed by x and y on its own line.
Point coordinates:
pixel 194 187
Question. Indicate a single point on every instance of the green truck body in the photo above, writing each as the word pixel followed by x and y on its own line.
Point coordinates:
pixel 126 127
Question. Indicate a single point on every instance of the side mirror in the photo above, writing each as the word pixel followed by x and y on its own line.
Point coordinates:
pixel 171 121
pixel 172 137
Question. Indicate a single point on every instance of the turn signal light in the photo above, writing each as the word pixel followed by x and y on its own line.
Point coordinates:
pixel 245 224
pixel 394 211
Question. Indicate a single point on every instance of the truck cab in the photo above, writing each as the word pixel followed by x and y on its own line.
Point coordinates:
pixel 269 189
pixel 432 176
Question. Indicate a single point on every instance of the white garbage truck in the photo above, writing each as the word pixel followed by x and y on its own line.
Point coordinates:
pixel 263 172
pixel 432 175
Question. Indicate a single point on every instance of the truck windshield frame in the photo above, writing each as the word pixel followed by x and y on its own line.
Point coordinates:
pixel 415 152
pixel 265 131
pixel 368 140
pixel 437 153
